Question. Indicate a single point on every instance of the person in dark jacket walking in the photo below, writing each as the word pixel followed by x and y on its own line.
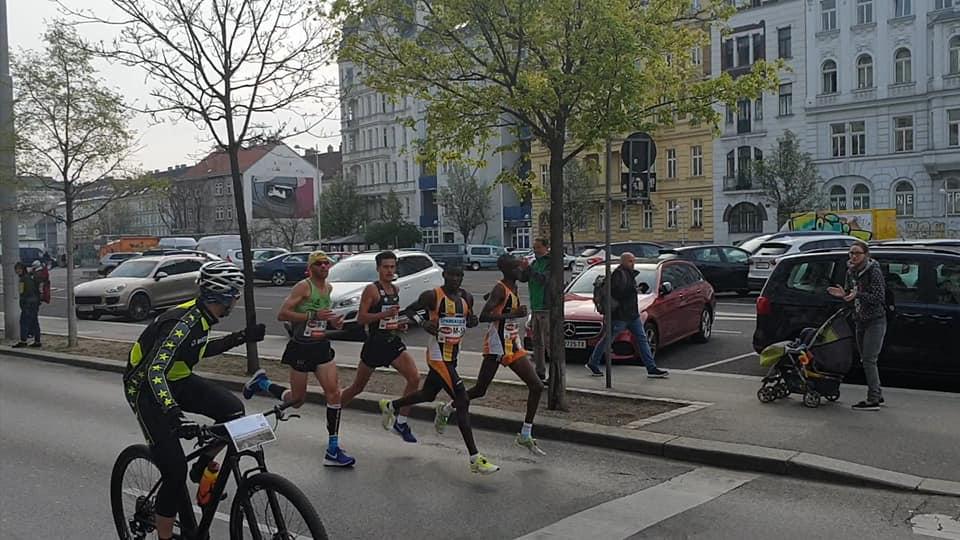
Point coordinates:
pixel 865 288
pixel 29 307
pixel 626 315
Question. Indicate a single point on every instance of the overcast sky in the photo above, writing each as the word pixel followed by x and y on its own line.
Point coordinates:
pixel 161 145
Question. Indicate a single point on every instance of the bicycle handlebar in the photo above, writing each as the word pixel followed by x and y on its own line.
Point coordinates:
pixel 206 434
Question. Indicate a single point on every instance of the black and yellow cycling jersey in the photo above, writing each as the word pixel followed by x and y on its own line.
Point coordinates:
pixel 169 348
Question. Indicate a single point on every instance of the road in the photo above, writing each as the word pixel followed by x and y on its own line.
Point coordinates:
pixel 63 427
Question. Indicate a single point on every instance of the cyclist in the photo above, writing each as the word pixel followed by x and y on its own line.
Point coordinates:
pixel 502 345
pixel 307 310
pixel 450 314
pixel 380 312
pixel 160 385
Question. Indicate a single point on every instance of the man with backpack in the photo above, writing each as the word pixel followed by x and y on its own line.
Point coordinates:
pixel 625 313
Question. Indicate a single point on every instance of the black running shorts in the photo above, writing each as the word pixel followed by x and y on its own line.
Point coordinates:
pixel 306 357
pixel 381 351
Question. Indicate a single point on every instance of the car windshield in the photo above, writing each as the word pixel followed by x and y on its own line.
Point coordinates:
pixel 134 269
pixel 772 249
pixel 590 252
pixel 752 244
pixel 353 271
pixel 583 284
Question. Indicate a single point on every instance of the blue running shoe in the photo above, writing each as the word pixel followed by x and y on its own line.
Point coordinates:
pixel 339 459
pixel 404 431
pixel 258 382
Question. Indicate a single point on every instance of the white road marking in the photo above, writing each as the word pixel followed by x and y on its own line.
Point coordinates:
pixel 732 332
pixel 936 526
pixel 629 515
pixel 724 361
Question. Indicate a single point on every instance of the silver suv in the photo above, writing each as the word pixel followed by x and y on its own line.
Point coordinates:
pixel 138 286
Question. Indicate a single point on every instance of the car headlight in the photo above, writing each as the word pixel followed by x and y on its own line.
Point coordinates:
pixel 115 289
pixel 352 301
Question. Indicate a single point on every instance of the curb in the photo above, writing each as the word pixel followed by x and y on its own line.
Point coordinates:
pixel 688 449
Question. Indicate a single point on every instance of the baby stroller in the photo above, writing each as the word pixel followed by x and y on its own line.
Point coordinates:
pixel 812 365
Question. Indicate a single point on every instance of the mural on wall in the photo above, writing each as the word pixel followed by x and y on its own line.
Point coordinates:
pixel 283 197
pixel 858 225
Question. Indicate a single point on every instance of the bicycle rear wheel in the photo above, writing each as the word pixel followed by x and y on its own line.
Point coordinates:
pixel 269 506
pixel 132 492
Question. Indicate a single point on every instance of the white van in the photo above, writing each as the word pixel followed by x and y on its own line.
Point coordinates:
pixel 219 245
pixel 178 242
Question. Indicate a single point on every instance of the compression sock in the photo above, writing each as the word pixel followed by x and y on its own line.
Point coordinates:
pixel 275 390
pixel 526 430
pixel 401 419
pixel 448 408
pixel 473 457
pixel 333 426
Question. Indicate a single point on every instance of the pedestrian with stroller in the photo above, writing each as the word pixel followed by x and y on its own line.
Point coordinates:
pixel 29 306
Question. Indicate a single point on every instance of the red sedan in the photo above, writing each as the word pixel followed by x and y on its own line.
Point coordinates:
pixel 675 303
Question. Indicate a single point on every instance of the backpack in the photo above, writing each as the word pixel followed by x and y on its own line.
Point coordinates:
pixel 599 295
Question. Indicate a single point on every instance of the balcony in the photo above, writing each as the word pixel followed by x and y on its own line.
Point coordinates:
pixel 428 182
pixel 743 125
pixel 517 213
pixel 738 183
pixel 429 221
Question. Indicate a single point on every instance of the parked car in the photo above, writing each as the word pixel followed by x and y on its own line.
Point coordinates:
pixel 417 272
pixel 444 254
pixel 677 303
pixel 138 286
pixel 766 256
pixel 725 267
pixel 219 244
pixel 593 255
pixel 111 260
pixel 259 254
pixel 177 242
pixel 283 268
pixel 482 256
pixel 940 243
pixel 754 242
pixel 922 331
pixel 160 252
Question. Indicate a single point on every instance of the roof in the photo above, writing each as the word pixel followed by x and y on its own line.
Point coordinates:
pixel 697 246
pixel 218 163
pixel 790 240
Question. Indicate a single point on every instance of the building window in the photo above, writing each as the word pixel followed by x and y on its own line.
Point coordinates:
pixel 696 56
pixel 838 198
pixel 953 197
pixel 955 55
pixel 696 159
pixel 786 99
pixel 902 8
pixel 758 109
pixel 858 139
pixel 903 134
pixel 219 213
pixel 944 4
pixel 624 216
pixel 671 162
pixel 903 197
pixel 861 197
pixel 953 127
pixel 385 143
pixel 743 51
pixel 829 72
pixel 697 218
pixel 744 218
pixel 396 172
pixel 864 11
pixel 218 188
pixel 229 213
pixel 673 214
pixel 828 15
pixel 783 43
pixel 743 116
pixel 228 188
pixel 544 174
pixel 838 140
pixel 864 72
pixel 726 54
pixel 729 115
pixel 430 236
pixel 902 68
pixel 648 219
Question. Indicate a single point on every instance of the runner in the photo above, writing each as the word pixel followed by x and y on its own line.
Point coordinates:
pixel 307 309
pixel 503 344
pixel 380 313
pixel 450 314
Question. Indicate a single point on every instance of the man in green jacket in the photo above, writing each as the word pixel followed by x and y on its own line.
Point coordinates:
pixel 537 276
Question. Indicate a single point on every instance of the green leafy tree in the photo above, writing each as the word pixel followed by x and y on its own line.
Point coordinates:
pixel 465 202
pixel 789 179
pixel 392 231
pixel 568 72
pixel 341 208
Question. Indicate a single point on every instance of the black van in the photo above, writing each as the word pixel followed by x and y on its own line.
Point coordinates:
pixel 922 332
pixel 448 254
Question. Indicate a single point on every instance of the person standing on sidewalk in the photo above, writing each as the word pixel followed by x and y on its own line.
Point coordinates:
pixel 29 307
pixel 626 316
pixel 866 289
pixel 537 276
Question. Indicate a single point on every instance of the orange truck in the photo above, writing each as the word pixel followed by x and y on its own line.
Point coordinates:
pixel 129 243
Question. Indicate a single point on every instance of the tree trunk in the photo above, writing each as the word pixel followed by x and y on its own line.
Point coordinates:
pixel 72 340
pixel 557 394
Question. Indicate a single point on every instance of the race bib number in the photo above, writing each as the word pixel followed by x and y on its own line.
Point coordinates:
pixel 390 323
pixel 451 330
pixel 315 329
pixel 511 329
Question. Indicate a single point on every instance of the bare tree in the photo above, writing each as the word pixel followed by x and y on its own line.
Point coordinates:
pixel 229 66
pixel 69 124
pixel 465 202
pixel 182 206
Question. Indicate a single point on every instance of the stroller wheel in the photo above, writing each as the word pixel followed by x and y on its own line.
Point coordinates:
pixel 766 394
pixel 811 399
pixel 782 390
pixel 833 397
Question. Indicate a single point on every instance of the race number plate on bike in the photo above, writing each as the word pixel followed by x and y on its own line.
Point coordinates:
pixel 315 329
pixel 451 330
pixel 250 432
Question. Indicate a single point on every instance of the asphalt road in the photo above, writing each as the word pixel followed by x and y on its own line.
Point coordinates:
pixel 63 427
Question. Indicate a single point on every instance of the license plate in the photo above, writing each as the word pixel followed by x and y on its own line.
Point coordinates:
pixel 763 265
pixel 575 344
pixel 84 308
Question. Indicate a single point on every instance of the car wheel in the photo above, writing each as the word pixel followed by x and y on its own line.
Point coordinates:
pixel 475 266
pixel 706 327
pixel 279 278
pixel 139 307
pixel 88 315
pixel 653 337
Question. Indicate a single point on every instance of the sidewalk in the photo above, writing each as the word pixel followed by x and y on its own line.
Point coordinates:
pixel 916 433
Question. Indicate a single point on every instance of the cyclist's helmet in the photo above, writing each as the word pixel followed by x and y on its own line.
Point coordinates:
pixel 220 282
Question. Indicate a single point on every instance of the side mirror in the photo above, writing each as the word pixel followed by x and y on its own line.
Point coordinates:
pixel 643 288
pixel 160 275
pixel 666 288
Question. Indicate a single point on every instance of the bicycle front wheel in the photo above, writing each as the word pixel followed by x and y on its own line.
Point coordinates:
pixel 269 506
pixel 133 496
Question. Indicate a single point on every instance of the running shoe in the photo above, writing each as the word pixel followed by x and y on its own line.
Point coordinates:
pixel 441 418
pixel 256 383
pixel 337 459
pixel 388 415
pixel 403 430
pixel 530 444
pixel 657 373
pixel 483 466
pixel 594 370
pixel 867 406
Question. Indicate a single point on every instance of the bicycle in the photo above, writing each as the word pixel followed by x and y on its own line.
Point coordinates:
pixel 135 481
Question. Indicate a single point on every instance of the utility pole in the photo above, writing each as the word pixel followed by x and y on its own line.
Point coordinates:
pixel 8 193
pixel 607 315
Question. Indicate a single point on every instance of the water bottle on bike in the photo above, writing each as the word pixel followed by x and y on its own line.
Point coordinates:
pixel 207 481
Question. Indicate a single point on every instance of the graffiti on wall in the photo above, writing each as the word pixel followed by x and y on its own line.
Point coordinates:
pixel 857 225
pixel 920 229
pixel 283 197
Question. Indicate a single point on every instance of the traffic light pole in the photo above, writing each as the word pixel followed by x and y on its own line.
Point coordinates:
pixel 607 316
pixel 8 194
